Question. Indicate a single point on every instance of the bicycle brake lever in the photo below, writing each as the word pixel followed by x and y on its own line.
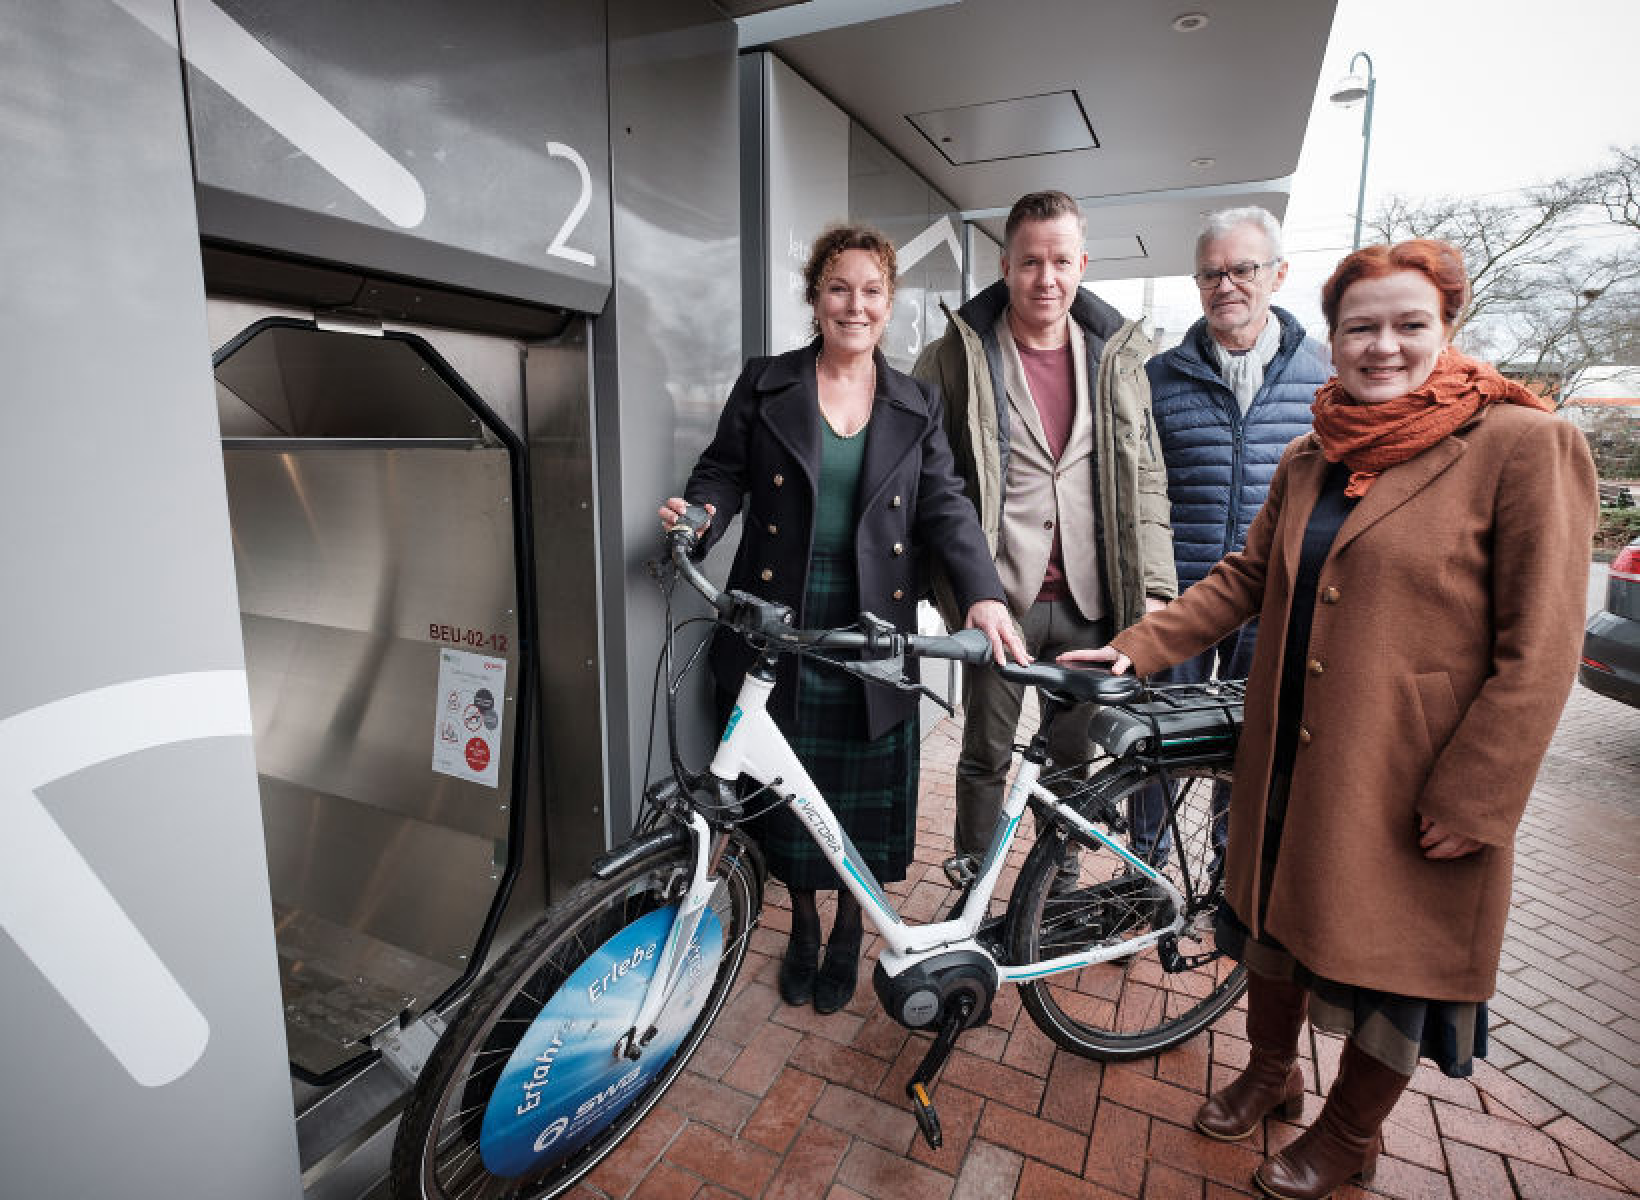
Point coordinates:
pixel 931 694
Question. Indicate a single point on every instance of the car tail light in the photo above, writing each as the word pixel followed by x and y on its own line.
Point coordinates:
pixel 1596 664
pixel 1627 565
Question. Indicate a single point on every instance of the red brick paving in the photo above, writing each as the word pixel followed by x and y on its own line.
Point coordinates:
pixel 782 1105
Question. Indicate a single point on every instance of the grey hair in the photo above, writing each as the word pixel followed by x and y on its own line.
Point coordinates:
pixel 1217 224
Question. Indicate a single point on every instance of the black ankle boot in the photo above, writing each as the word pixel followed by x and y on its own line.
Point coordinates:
pixel 798 970
pixel 839 970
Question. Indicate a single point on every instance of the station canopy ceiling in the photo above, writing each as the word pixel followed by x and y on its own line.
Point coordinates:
pixel 1151 114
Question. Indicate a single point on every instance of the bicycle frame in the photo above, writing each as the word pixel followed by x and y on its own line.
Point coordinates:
pixel 752 745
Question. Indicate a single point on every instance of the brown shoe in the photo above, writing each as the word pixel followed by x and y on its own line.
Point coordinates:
pixel 1342 1145
pixel 1272 1080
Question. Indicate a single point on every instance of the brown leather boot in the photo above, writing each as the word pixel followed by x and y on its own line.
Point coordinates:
pixel 1343 1143
pixel 1275 1016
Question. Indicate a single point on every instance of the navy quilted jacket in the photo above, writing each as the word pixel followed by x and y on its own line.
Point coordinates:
pixel 1219 463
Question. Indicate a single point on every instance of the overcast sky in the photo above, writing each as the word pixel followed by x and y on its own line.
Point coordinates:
pixel 1474 97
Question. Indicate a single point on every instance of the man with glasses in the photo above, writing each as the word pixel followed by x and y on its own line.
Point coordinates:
pixel 1227 400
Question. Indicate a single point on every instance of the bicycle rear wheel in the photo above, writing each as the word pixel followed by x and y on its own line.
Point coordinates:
pixel 525 1093
pixel 1167 992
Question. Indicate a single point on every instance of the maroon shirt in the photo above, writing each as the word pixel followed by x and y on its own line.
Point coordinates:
pixel 1051 376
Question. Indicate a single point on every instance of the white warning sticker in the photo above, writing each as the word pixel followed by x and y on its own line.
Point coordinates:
pixel 467 729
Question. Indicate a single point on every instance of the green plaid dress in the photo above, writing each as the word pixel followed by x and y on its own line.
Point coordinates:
pixel 871 784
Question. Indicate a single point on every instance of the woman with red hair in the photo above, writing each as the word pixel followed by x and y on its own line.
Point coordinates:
pixel 1419 573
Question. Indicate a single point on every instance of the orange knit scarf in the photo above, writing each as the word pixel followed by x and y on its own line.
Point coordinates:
pixel 1371 438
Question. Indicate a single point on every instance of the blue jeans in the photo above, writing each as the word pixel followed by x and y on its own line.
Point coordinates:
pixel 1147 809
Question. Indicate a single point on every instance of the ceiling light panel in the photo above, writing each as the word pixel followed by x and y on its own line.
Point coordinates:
pixel 974 133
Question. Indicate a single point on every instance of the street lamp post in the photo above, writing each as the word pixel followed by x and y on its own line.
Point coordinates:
pixel 1351 89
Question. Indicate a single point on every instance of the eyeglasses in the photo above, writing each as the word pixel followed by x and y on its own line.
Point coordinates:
pixel 1243 272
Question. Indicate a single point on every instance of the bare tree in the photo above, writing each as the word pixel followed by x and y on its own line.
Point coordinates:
pixel 1555 273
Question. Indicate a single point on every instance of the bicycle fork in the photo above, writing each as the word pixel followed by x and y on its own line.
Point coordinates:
pixel 706 848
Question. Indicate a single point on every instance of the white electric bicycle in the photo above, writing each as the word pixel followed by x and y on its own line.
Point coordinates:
pixel 578 1030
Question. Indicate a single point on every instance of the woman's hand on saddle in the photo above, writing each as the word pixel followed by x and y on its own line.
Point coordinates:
pixel 1442 841
pixel 993 618
pixel 1119 662
pixel 673 508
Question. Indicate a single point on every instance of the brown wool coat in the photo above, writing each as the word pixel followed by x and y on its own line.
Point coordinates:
pixel 1446 635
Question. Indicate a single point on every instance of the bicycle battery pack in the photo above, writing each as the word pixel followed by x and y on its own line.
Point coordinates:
pixel 1167 728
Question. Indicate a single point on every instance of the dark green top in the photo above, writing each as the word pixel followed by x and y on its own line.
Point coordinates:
pixel 834 516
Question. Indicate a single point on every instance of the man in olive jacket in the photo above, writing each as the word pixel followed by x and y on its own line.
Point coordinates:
pixel 1048 412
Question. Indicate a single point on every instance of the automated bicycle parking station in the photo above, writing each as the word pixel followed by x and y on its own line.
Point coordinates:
pixel 466 290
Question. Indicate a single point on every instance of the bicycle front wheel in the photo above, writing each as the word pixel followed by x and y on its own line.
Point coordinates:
pixel 1164 994
pixel 526 1091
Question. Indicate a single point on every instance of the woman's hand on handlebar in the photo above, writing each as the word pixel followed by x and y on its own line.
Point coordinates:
pixel 992 617
pixel 1119 662
pixel 673 508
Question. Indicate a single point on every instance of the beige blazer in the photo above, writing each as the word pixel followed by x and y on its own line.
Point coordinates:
pixel 1043 495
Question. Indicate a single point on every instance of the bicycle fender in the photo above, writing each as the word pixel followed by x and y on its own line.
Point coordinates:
pixel 614 861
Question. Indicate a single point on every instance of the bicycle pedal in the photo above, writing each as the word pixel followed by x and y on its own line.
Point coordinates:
pixel 928 1120
pixel 961 870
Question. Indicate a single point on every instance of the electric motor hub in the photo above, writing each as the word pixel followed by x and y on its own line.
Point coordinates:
pixel 922 993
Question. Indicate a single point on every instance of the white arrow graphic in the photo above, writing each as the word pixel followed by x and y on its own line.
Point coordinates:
pixel 221 49
pixel 940 233
pixel 52 903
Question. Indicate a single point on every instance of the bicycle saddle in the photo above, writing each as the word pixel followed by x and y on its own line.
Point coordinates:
pixel 1075 683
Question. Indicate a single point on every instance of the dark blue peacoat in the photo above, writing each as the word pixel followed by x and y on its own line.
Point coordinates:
pixel 765 459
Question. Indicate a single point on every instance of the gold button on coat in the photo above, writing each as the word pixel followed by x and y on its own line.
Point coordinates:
pixel 899 593
pixel 898 550
pixel 894 503
pixel 773 529
pixel 1303 736
pixel 766 574
pixel 1331 596
pixel 780 481
pixel 1315 667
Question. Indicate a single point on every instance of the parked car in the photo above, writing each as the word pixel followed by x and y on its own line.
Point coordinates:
pixel 1611 640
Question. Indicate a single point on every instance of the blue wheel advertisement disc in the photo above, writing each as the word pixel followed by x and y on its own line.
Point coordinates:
pixel 564 1083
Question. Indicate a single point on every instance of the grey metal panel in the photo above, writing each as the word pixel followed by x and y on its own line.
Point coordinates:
pixel 754 204
pixel 118 575
pixel 668 348
pixel 559 404
pixel 414 137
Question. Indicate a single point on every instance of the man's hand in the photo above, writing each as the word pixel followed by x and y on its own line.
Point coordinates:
pixel 992 617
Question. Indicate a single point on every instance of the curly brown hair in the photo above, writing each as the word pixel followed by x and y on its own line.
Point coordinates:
pixel 830 245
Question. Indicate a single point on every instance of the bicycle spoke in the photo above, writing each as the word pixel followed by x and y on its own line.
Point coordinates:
pixel 1133 1005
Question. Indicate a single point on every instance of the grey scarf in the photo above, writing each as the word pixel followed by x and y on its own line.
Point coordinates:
pixel 1245 372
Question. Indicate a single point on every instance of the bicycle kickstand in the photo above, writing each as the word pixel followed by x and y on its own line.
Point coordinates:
pixel 922 1106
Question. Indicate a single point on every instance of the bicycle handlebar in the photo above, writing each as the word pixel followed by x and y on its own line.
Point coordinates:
pixel 757 617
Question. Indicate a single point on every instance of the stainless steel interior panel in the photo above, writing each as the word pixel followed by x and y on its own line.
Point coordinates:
pixel 339 707
pixel 373 530
pixel 310 383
